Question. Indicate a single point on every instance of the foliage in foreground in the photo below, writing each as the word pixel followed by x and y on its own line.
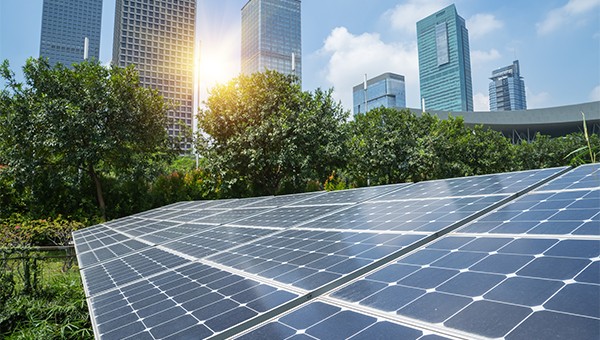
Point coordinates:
pixel 69 136
pixel 40 298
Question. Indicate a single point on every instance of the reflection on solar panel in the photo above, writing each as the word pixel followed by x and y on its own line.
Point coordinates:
pixel 513 255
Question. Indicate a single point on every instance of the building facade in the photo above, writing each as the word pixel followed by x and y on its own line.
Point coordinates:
pixel 444 61
pixel 65 25
pixel 271 37
pixel 387 90
pixel 158 38
pixel 507 89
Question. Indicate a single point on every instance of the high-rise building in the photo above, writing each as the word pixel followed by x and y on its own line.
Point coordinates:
pixel 444 61
pixel 65 25
pixel 158 38
pixel 387 90
pixel 271 36
pixel 507 89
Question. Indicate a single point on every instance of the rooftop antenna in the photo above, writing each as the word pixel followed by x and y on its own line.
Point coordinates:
pixel 86 47
pixel 365 88
pixel 293 63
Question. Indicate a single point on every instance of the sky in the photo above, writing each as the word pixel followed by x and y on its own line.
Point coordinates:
pixel 557 43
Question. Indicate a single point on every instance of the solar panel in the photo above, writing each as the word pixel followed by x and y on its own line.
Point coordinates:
pixel 368 262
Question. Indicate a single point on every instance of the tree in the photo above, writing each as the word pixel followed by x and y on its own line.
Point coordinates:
pixel 379 146
pixel 261 134
pixel 66 131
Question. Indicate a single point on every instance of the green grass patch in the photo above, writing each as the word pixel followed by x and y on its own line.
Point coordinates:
pixel 55 307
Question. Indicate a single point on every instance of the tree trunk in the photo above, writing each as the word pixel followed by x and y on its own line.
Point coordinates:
pixel 99 195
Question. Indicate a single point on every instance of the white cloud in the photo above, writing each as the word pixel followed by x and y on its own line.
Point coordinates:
pixel 569 13
pixel 595 94
pixel 480 57
pixel 481 24
pixel 481 102
pixel 351 56
pixel 404 16
pixel 537 100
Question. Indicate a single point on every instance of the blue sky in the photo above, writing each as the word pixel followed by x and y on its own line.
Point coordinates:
pixel 556 41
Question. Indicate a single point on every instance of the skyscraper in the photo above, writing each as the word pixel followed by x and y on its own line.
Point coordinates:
pixel 65 25
pixel 507 89
pixel 387 90
pixel 444 61
pixel 271 37
pixel 158 38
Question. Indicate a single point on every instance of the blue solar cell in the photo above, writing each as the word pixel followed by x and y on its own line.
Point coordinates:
pixel 554 268
pixel 388 330
pixel 502 263
pixel 392 298
pixel 341 325
pixel 577 298
pixel 524 291
pixel 471 284
pixel 434 307
pixel 489 319
pixel 552 325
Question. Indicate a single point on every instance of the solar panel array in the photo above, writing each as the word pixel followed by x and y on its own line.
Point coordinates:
pixel 448 258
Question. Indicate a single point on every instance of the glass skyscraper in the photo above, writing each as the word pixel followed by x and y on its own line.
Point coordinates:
pixel 387 90
pixel 65 25
pixel 507 89
pixel 271 36
pixel 158 38
pixel 444 61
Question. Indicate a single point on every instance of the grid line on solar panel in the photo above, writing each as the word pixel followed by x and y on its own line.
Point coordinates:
pixel 351 196
pixel 323 318
pixel 284 200
pixel 584 176
pixel 573 212
pixel 505 183
pixel 463 281
pixel 204 300
pixel 286 217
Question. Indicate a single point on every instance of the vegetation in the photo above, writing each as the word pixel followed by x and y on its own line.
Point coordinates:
pixel 264 136
pixel 68 135
pixel 81 145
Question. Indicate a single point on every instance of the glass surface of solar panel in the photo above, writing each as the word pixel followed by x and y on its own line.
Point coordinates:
pixel 585 176
pixel 192 301
pixel 230 216
pixel 310 259
pixel 284 200
pixel 320 320
pixel 209 242
pixel 200 280
pixel 286 217
pixel 505 183
pixel 416 215
pixel 350 196
pixel 489 286
pixel 545 213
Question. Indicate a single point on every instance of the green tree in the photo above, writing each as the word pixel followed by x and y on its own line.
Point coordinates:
pixel 379 146
pixel 261 134
pixel 65 133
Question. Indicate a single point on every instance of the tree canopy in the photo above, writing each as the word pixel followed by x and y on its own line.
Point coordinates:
pixel 261 134
pixel 66 132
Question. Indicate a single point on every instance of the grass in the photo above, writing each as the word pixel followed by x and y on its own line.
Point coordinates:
pixel 56 309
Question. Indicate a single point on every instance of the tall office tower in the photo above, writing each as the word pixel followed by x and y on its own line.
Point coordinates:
pixel 65 25
pixel 507 89
pixel 444 61
pixel 387 90
pixel 158 38
pixel 271 37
